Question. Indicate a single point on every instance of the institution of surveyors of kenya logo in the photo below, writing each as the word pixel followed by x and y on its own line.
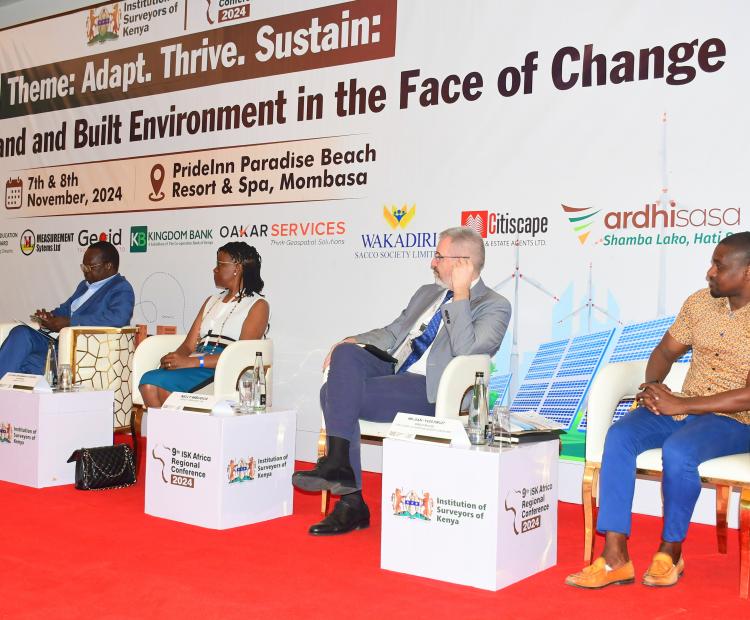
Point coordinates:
pixel 103 23
pixel 412 505
pixel 241 470
pixel 6 432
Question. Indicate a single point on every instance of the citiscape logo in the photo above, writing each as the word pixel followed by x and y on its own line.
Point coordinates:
pixel 6 432
pixel 521 230
pixel 399 216
pixel 580 220
pixel 411 505
pixel 103 23
pixel 28 242
pixel 241 470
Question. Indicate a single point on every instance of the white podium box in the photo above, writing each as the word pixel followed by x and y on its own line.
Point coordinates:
pixel 39 432
pixel 219 472
pixel 481 516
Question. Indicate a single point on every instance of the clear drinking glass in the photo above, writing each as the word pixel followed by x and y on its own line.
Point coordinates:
pixel 246 387
pixel 502 424
pixel 65 378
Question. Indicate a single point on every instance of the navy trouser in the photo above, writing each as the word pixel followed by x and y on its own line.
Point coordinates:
pixel 685 444
pixel 24 350
pixel 360 386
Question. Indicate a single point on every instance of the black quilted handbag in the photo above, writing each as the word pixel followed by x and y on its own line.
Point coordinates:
pixel 106 467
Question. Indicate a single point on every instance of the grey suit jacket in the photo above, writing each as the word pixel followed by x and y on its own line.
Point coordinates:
pixel 469 327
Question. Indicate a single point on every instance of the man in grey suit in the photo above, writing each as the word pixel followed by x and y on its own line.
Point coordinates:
pixel 457 315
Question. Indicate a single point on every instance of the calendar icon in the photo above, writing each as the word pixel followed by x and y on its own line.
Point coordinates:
pixel 13 193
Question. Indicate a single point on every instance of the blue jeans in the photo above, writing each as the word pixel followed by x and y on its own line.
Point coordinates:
pixel 361 386
pixel 685 444
pixel 24 350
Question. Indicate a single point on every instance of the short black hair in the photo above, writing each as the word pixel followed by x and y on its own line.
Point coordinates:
pixel 739 243
pixel 108 251
pixel 247 256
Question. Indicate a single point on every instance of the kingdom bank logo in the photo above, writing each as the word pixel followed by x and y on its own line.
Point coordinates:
pixel 138 238
pixel 397 244
pixel 411 505
pixel 581 220
pixel 399 217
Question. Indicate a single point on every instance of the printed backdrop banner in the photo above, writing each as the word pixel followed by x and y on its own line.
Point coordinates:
pixel 597 147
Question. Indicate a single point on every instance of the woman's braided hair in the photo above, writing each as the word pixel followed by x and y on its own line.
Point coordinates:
pixel 248 258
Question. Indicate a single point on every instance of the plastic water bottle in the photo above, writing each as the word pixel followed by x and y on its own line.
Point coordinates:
pixel 478 412
pixel 259 384
pixel 246 387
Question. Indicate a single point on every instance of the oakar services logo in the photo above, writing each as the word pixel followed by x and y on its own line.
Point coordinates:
pixel 412 505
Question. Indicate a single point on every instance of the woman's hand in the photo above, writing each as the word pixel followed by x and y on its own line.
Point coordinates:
pixel 175 360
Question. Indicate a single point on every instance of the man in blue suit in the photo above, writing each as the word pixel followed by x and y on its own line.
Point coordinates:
pixel 104 298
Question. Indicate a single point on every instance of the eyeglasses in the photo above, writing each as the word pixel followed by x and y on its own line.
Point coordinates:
pixel 89 268
pixel 219 263
pixel 438 256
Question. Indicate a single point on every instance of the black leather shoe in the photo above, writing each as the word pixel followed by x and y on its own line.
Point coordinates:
pixel 339 480
pixel 344 518
pixel 332 472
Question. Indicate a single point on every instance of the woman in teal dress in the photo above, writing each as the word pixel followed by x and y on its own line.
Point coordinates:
pixel 239 312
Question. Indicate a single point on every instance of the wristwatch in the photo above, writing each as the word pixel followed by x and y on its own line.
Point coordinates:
pixel 201 361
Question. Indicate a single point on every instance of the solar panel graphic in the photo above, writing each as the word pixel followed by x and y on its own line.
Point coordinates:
pixel 622 408
pixel 560 375
pixel 636 342
pixel 500 385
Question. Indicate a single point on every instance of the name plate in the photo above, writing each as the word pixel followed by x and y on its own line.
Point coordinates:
pixel 195 403
pixel 24 383
pixel 422 428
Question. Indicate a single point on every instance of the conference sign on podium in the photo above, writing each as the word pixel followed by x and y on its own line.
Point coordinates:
pixel 219 472
pixel 483 516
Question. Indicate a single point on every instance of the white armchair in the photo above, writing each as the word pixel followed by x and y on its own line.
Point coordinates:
pixel 616 382
pixel 458 377
pixel 100 358
pixel 233 361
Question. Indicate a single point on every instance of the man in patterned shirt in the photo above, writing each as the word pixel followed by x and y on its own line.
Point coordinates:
pixel 708 419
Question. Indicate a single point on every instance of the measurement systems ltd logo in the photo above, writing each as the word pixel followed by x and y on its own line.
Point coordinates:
pixel 411 505
pixel 28 242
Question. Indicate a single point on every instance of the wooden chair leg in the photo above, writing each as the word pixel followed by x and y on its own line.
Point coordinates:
pixel 322 449
pixel 722 505
pixel 745 542
pixel 588 491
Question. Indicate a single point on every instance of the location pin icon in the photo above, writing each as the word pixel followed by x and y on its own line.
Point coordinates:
pixel 157 178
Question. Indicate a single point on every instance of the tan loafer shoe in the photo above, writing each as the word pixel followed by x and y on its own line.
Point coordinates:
pixel 663 572
pixel 597 576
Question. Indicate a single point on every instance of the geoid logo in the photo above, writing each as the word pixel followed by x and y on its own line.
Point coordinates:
pixel 580 219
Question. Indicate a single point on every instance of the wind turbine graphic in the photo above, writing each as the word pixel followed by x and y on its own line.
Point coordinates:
pixel 517 275
pixel 664 202
pixel 590 305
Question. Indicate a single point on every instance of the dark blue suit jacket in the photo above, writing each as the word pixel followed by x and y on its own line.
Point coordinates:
pixel 111 306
